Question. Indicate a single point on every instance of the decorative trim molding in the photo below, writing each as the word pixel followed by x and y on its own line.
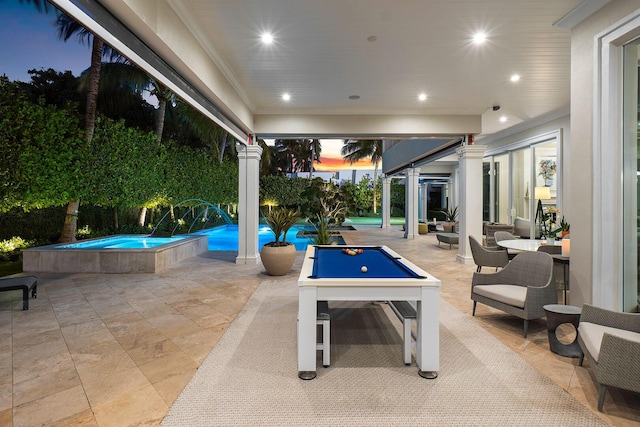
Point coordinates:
pixel 580 13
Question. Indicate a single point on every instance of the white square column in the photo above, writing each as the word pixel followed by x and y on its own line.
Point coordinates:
pixel 386 202
pixel 470 192
pixel 411 203
pixel 248 203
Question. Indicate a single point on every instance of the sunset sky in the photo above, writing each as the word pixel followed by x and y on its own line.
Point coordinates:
pixel 332 161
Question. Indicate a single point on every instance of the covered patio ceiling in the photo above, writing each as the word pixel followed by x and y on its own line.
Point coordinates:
pixel 352 68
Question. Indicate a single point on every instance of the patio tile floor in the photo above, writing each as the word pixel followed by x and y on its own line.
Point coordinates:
pixel 99 349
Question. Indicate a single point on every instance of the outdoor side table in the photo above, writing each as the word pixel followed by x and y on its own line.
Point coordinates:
pixel 559 314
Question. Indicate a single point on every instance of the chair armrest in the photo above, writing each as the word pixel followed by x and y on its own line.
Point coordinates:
pixel 618 363
pixel 613 319
pixel 500 277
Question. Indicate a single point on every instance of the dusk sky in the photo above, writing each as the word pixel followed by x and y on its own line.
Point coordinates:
pixel 29 40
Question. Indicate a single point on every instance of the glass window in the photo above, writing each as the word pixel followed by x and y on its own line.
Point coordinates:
pixel 523 201
pixel 502 205
pixel 631 171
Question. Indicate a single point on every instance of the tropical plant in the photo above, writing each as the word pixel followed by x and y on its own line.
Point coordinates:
pixel 354 150
pixel 329 214
pixel 450 214
pixel 562 226
pixel 280 220
pixel 67 27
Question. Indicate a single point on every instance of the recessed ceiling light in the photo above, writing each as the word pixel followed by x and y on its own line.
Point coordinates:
pixel 372 38
pixel 286 97
pixel 422 97
pixel 503 119
pixel 266 38
pixel 479 38
pixel 354 97
pixel 515 77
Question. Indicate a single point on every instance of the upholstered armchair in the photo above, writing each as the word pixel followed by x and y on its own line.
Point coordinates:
pixel 521 288
pixel 487 257
pixel 611 341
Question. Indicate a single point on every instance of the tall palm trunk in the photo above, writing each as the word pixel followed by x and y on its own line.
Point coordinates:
pixel 162 92
pixel 71 220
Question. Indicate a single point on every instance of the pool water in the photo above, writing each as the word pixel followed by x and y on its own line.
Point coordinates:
pixel 225 238
pixel 123 242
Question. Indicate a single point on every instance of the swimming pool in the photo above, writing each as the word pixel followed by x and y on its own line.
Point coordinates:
pixel 122 242
pixel 225 238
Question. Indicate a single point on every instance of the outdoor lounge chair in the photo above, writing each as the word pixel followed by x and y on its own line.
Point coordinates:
pixel 505 235
pixel 23 283
pixel 521 288
pixel 487 257
pixel 611 340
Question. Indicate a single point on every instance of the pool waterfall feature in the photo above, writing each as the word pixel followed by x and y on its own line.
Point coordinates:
pixel 202 217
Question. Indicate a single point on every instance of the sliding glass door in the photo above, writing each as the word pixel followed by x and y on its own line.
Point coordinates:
pixel 631 172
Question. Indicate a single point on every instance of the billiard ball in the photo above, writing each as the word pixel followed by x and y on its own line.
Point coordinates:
pixel 363 268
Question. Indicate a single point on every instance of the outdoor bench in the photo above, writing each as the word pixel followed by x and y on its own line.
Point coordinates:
pixel 24 283
pixel 406 313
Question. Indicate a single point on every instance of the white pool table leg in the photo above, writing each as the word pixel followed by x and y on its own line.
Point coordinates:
pixel 428 334
pixel 307 306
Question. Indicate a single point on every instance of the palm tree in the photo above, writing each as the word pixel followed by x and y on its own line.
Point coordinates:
pixel 355 150
pixel 299 154
pixel 67 27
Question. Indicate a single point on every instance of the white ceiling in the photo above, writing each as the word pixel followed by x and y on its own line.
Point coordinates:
pixel 321 55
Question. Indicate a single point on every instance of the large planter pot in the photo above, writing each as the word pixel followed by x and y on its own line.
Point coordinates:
pixel 449 226
pixel 278 260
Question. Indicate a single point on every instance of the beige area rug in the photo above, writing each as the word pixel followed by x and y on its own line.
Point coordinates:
pixel 250 377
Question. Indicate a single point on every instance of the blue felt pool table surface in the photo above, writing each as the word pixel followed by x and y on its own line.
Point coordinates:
pixel 333 262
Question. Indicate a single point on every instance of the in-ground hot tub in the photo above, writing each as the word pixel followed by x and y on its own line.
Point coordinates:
pixel 115 254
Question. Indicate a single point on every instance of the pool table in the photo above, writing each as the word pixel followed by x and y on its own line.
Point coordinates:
pixel 328 273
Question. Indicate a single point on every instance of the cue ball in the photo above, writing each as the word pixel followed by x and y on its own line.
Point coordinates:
pixel 363 268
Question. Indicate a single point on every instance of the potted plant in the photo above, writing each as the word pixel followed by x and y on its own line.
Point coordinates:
pixel 450 218
pixel 328 216
pixel 563 228
pixel 278 256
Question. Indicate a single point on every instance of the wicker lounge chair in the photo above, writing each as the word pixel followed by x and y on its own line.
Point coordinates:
pixel 505 235
pixel 487 257
pixel 611 341
pixel 521 288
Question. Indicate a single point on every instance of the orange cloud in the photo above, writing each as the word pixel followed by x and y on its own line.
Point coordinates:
pixel 332 164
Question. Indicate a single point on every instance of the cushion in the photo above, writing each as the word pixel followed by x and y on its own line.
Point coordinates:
pixel 592 333
pixel 509 294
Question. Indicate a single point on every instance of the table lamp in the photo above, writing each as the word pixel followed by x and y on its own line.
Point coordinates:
pixel 541 193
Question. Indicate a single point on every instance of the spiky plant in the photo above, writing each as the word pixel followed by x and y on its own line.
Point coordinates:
pixel 280 220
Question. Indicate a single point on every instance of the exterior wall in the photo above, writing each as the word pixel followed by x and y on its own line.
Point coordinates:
pixel 580 194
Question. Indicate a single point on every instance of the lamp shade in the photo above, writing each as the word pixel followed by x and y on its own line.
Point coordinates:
pixel 542 193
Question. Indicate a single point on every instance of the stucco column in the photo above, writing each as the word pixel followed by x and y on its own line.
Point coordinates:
pixel 470 197
pixel 386 202
pixel 411 203
pixel 248 203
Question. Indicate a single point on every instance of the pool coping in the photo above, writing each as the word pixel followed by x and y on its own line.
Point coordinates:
pixel 54 259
